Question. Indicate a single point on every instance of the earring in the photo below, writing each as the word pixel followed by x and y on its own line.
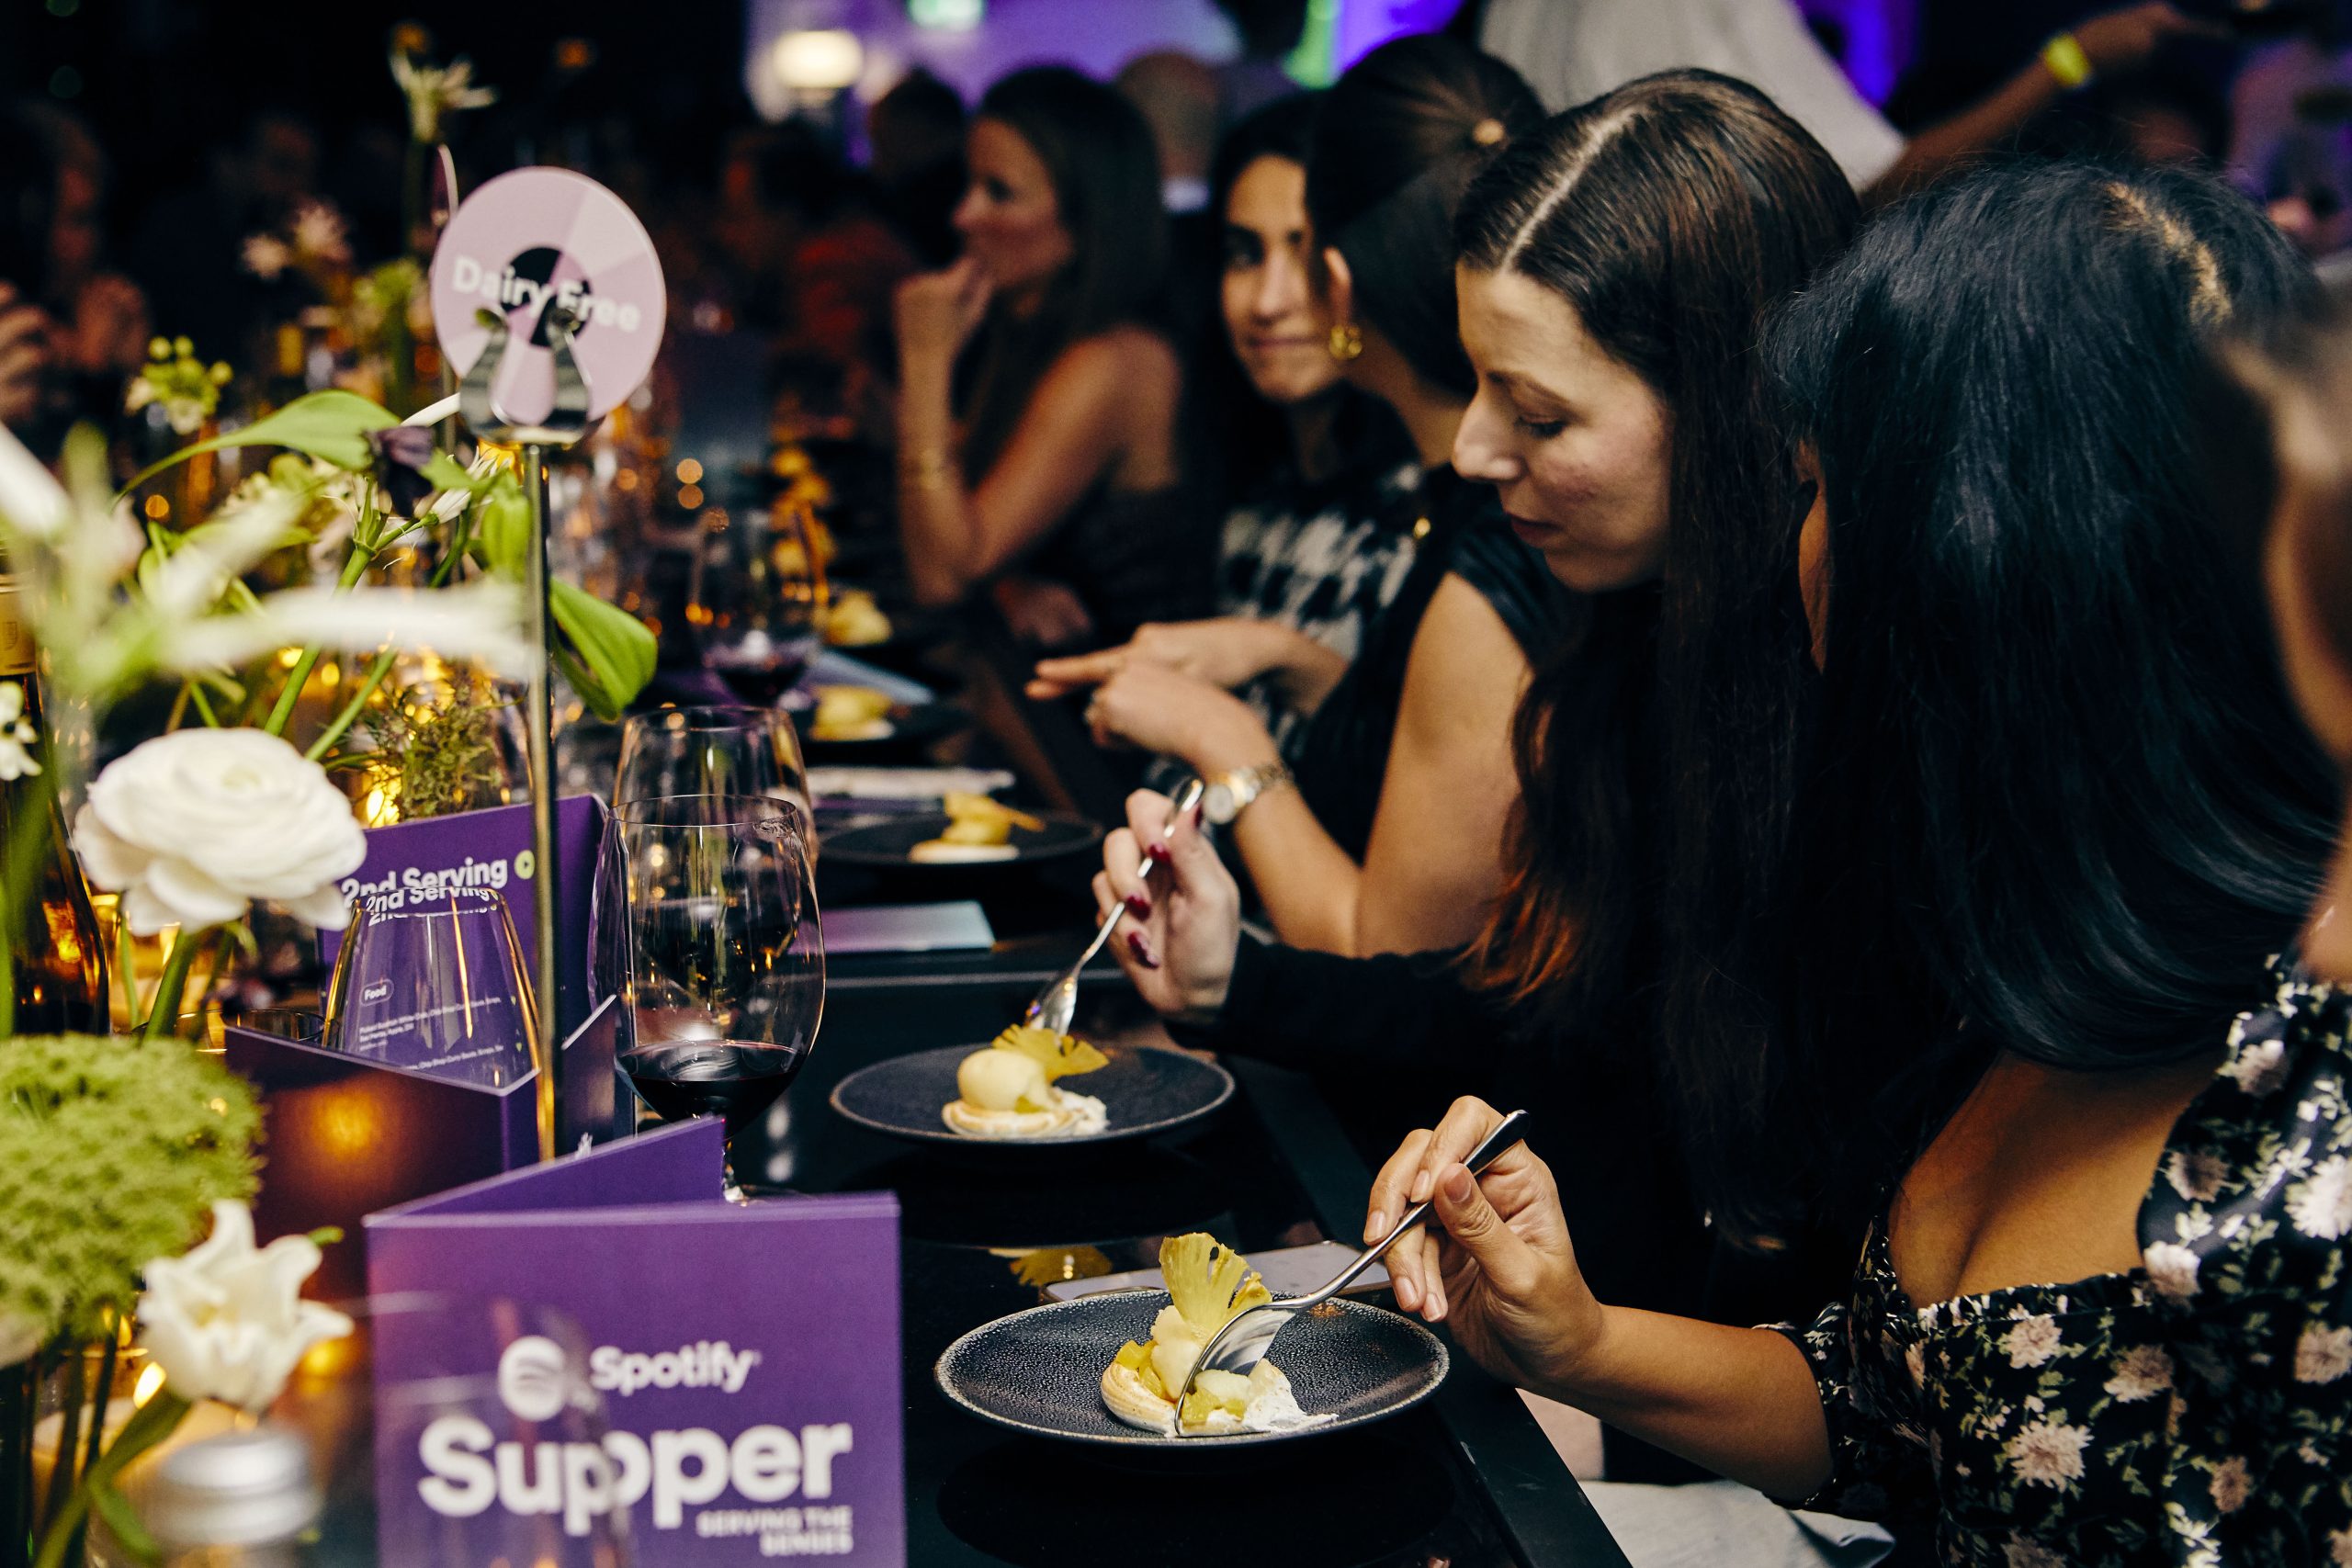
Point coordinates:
pixel 1345 342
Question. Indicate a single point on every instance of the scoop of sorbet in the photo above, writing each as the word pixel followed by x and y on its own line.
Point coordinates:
pixel 998 1080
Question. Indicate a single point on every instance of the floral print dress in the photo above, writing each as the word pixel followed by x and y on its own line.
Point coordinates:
pixel 2192 1411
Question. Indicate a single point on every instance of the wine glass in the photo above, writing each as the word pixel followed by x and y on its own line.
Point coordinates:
pixel 710 750
pixel 726 983
pixel 432 977
pixel 755 598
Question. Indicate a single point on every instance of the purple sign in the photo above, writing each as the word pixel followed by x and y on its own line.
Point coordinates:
pixel 603 1350
pixel 409 862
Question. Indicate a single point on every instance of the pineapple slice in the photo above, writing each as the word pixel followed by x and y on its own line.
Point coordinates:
pixel 966 806
pixel 1213 1392
pixel 1209 1282
pixel 1061 1055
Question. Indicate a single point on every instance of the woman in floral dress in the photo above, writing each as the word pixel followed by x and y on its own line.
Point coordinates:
pixel 2061 818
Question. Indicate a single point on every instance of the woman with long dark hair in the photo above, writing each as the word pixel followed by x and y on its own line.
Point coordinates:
pixel 1617 267
pixel 2058 819
pixel 1392 839
pixel 1038 393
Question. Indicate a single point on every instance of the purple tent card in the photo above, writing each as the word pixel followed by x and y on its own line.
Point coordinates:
pixel 603 1348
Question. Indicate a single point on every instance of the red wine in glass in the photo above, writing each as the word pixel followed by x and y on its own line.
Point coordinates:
pixel 759 669
pixel 736 1081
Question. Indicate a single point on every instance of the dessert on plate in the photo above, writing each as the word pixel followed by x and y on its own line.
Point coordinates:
pixel 1006 1090
pixel 1209 1284
pixel 979 829
pixel 851 713
pixel 854 620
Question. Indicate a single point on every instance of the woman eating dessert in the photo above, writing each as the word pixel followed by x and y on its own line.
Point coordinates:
pixel 2059 826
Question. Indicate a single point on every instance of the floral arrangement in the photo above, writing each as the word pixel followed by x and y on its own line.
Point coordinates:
pixel 183 385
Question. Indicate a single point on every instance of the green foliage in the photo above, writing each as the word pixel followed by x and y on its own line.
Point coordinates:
pixel 611 655
pixel 444 755
pixel 112 1152
pixel 332 425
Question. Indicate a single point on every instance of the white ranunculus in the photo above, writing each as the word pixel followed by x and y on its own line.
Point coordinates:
pixel 227 1322
pixel 192 827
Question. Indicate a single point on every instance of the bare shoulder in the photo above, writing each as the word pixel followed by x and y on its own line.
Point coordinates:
pixel 1464 663
pixel 1128 357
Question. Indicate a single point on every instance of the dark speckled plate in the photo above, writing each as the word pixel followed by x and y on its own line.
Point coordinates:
pixel 1145 1091
pixel 1040 1371
pixel 889 844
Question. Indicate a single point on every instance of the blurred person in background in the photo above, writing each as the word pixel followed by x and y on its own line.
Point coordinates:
pixel 1575 50
pixel 1391 839
pixel 915 136
pixel 1269 30
pixel 1039 390
pixel 1177 96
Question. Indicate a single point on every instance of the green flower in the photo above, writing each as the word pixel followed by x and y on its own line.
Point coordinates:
pixel 112 1152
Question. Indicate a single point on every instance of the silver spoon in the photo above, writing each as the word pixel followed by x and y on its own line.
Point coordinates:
pixel 1057 1005
pixel 1237 1347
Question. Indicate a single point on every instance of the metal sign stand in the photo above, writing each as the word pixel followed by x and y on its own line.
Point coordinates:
pixel 566 423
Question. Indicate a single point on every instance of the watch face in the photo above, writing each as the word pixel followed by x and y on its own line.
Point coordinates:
pixel 1217 804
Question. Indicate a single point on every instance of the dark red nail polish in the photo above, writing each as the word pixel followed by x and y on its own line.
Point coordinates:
pixel 1142 949
pixel 1139 906
pixel 1156 851
pixel 1200 815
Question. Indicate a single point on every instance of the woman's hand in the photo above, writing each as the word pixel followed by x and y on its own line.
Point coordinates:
pixel 25 333
pixel 1230 651
pixel 1184 924
pixel 1151 707
pixel 938 312
pixel 1503 1272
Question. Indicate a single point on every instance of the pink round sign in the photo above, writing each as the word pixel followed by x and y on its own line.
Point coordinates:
pixel 531 237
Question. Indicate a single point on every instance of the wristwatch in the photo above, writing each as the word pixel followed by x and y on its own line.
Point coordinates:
pixel 1228 794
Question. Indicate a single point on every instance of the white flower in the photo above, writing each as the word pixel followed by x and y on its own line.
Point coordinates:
pixel 2172 1268
pixel 479 622
pixel 320 235
pixel 267 256
pixel 227 1322
pixel 31 500
pixel 2021 1552
pixel 2141 1372
pixel 2322 1354
pixel 192 826
pixel 16 736
pixel 2321 1205
pixel 2048 1453
pixel 2230 1484
pixel 2033 1340
pixel 432 92
pixel 2196 1174
pixel 2339 1548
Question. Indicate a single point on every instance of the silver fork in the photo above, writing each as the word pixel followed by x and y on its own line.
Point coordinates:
pixel 1053 1006
pixel 1237 1349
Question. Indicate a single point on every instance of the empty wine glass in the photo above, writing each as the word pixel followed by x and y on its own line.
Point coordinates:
pixel 433 979
pixel 755 598
pixel 726 983
pixel 710 750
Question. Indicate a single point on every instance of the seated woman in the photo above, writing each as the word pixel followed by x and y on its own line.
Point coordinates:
pixel 1038 399
pixel 1617 267
pixel 1391 840
pixel 2061 819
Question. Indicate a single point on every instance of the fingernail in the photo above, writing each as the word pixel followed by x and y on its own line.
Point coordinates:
pixel 1375 1226
pixel 1142 949
pixel 1421 1188
pixel 1408 1296
pixel 1458 1186
pixel 1156 852
pixel 1139 906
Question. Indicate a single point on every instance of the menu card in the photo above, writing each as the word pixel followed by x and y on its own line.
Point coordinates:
pixel 742 1397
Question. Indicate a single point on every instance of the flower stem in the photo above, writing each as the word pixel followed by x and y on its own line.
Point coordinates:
pixel 148 1425
pixel 172 985
pixel 383 662
pixel 355 566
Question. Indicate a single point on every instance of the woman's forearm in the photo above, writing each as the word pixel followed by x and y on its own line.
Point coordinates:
pixel 1741 1402
pixel 1977 128
pixel 1304 671
pixel 934 505
pixel 1312 889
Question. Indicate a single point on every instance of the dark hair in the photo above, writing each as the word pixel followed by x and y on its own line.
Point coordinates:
pixel 1401 134
pixel 28 182
pixel 1099 154
pixel 1656 756
pixel 2062 804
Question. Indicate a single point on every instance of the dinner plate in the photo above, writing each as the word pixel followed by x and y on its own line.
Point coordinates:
pixel 1040 1371
pixel 889 844
pixel 1145 1090
pixel 912 726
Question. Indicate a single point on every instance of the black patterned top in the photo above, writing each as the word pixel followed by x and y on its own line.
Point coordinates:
pixel 2194 1410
